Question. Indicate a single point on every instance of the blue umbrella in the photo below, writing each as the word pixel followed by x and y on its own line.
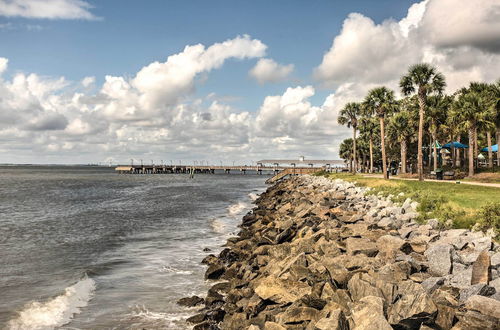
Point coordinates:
pixel 455 145
pixel 494 148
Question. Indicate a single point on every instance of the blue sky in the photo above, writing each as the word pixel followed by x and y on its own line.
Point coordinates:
pixel 131 34
pixel 321 55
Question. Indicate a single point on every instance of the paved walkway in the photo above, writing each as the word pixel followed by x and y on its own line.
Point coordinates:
pixel 473 183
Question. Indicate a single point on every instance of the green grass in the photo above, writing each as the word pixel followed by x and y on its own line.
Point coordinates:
pixel 461 203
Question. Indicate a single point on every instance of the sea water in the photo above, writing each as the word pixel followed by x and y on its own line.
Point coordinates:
pixel 86 248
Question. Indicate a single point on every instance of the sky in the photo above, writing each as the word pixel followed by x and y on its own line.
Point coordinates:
pixel 115 80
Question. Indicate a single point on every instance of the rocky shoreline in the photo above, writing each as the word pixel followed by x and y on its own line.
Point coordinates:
pixel 321 254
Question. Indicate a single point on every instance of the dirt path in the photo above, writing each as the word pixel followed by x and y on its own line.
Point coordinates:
pixel 380 176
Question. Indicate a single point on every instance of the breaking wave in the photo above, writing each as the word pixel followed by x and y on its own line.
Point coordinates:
pixel 218 226
pixel 237 208
pixel 57 311
pixel 253 196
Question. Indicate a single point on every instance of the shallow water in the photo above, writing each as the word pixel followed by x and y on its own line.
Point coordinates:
pixel 83 247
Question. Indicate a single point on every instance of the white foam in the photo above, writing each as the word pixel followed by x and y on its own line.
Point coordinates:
pixel 147 318
pixel 170 269
pixel 57 311
pixel 218 226
pixel 253 196
pixel 237 208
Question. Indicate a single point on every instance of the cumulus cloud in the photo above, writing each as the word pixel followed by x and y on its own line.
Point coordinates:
pixel 462 45
pixel 267 70
pixel 466 23
pixel 49 9
pixel 3 64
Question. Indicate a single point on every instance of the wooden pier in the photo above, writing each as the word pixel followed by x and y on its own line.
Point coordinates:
pixel 207 169
pixel 278 171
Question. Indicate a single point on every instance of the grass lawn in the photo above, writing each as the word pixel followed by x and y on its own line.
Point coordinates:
pixel 463 204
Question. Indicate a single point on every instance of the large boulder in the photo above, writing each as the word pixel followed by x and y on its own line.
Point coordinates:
pixel 281 291
pixel 481 269
pixel 413 307
pixel 439 257
pixel 368 314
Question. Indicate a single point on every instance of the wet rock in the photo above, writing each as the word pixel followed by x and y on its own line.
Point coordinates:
pixel 214 272
pixel 439 257
pixel 190 301
pixel 210 260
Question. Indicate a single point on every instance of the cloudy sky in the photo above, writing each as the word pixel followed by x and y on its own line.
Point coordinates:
pixel 98 81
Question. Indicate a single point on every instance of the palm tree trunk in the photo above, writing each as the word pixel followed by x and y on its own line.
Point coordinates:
pixel 471 151
pixel 420 164
pixel 435 151
pixel 490 152
pixel 355 168
pixel 371 154
pixel 403 156
pixel 382 138
pixel 476 149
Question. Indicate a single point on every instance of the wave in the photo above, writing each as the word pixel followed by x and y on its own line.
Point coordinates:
pixel 170 269
pixel 143 316
pixel 218 226
pixel 237 208
pixel 57 311
pixel 253 196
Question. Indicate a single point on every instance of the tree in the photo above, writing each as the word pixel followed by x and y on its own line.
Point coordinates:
pixel 425 80
pixel 468 109
pixel 345 151
pixel 400 129
pixel 437 109
pixel 380 101
pixel 349 116
pixel 368 127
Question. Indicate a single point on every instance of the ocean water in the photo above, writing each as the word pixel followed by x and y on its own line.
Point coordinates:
pixel 85 248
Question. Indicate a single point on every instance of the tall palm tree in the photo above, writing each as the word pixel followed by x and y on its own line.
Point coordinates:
pixel 424 79
pixel 345 151
pixel 401 129
pixel 468 109
pixel 437 109
pixel 349 116
pixel 380 101
pixel 368 126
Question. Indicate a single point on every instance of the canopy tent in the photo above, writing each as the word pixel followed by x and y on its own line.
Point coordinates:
pixel 494 148
pixel 455 144
pixel 438 146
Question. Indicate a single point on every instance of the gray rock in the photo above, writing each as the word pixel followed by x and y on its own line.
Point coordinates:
pixel 495 260
pixel 461 279
pixel 439 257
pixel 434 223
pixel 483 243
pixel 480 289
pixel 432 283
pixel 387 223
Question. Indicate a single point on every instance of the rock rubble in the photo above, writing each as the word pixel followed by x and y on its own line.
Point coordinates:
pixel 321 254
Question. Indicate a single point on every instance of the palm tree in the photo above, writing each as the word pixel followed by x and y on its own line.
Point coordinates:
pixel 380 101
pixel 349 116
pixel 345 151
pixel 368 127
pixel 401 129
pixel 468 109
pixel 424 79
pixel 437 108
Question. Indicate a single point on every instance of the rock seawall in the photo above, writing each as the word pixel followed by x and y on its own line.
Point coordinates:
pixel 321 254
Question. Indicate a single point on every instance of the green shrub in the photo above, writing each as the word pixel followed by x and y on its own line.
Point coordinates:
pixel 489 217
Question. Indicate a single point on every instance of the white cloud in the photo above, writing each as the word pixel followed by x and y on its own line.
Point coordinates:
pixel 88 81
pixel 49 9
pixel 267 70
pixel 461 44
pixel 3 64
pixel 455 23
